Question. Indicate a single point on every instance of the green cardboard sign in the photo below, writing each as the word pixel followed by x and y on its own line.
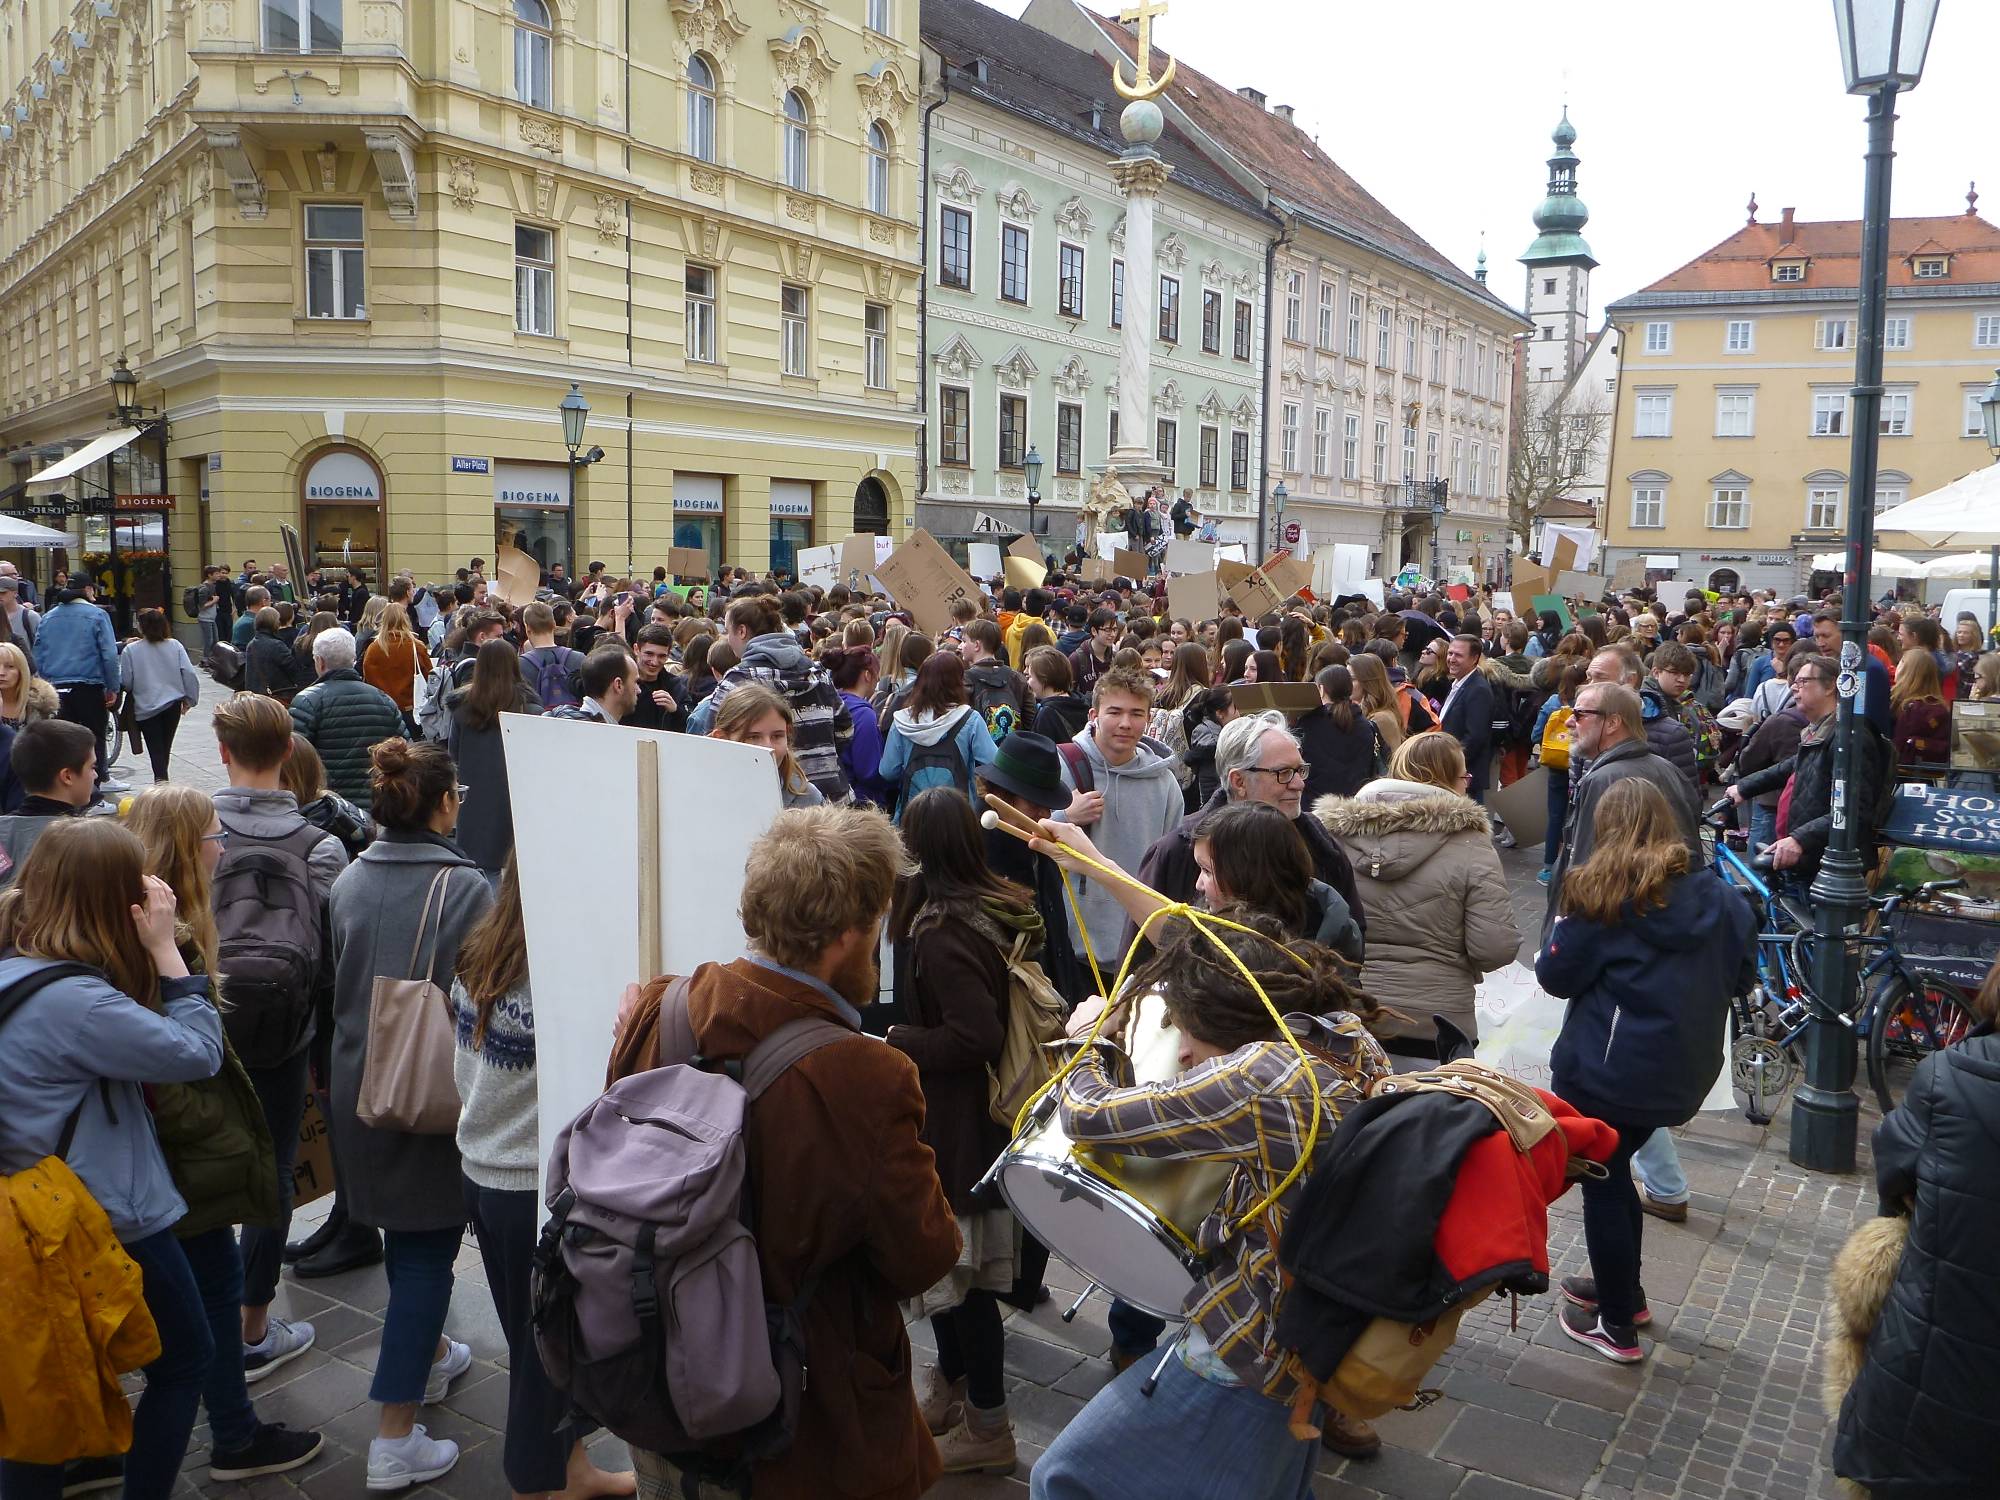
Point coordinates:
pixel 1554 602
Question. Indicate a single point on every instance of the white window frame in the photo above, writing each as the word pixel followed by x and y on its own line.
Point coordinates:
pixel 1478 452
pixel 346 261
pixel 875 340
pixel 1069 414
pixel 1209 459
pixel 1437 355
pixel 698 333
pixel 1740 336
pixel 1889 496
pixel 1649 506
pixel 701 112
pixel 1653 414
pixel 1930 268
pixel 1833 333
pixel 1459 367
pixel 1379 452
pixel 1458 463
pixel 1323 442
pixel 1081 280
pixel 795 328
pixel 303 13
pixel 1430 456
pixel 1986 331
pixel 1740 503
pixel 1326 315
pixel 1357 312
pixel 1409 453
pixel 1350 446
pixel 878 17
pixel 1898 413
pixel 1295 306
pixel 1975 416
pixel 534 281
pixel 1288 439
pixel 1790 270
pixel 1410 332
pixel 1735 413
pixel 534 54
pixel 1385 346
pixel 1239 461
pixel 1896 333
pixel 946 212
pixel 795 136
pixel 1659 339
pixel 1829 414
pixel 878 168
pixel 1821 496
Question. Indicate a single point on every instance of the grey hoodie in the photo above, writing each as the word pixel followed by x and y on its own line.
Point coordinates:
pixel 1142 803
pixel 272 815
pixel 67 1037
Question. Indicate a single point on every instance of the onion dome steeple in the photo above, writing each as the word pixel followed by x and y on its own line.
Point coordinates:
pixel 1561 216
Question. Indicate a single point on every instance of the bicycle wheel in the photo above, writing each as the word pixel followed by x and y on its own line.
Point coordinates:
pixel 1908 1023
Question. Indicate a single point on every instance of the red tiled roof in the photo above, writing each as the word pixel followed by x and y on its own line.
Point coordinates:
pixel 1294 167
pixel 1742 263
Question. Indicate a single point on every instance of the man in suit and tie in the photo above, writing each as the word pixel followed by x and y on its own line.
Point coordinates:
pixel 1468 710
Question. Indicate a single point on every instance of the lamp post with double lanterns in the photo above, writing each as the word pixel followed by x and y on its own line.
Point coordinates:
pixel 1882 46
pixel 1031 467
pixel 575 412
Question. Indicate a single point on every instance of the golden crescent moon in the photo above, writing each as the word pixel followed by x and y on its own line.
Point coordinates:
pixel 1133 91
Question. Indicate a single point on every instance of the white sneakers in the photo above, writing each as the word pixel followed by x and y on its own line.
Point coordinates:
pixel 457 1360
pixel 283 1342
pixel 398 1463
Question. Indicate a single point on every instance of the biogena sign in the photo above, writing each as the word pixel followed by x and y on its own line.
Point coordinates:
pixel 340 476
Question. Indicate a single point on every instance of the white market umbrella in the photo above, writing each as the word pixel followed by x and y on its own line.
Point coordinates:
pixel 1880 565
pixel 1965 513
pixel 16 532
pixel 1958 565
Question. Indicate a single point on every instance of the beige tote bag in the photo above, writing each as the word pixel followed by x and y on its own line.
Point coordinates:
pixel 406 1077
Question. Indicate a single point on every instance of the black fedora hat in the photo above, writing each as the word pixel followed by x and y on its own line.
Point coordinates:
pixel 1028 766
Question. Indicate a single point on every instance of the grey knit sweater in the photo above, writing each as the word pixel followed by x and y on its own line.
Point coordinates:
pixel 498 1126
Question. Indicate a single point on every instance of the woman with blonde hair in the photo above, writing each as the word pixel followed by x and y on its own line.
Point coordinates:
pixel 1647 948
pixel 396 659
pixel 1378 697
pixel 756 715
pixel 81 1051
pixel 24 697
pixel 217 1142
pixel 369 626
pixel 1429 879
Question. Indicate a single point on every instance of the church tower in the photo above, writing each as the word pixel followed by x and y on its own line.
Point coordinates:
pixel 1559 265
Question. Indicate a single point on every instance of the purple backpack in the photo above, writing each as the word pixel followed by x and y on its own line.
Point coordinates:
pixel 649 1307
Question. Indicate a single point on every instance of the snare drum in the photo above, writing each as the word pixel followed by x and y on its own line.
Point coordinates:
pixel 1128 1223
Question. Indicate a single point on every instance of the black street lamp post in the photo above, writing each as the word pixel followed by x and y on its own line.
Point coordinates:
pixel 575 412
pixel 1882 45
pixel 1278 498
pixel 1031 466
pixel 126 411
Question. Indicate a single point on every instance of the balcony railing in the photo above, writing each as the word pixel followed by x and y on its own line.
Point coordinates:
pixel 1416 494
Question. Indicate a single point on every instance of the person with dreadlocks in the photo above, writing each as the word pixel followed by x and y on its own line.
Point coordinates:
pixel 1218 1420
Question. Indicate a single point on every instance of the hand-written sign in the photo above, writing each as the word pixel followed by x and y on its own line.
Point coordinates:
pixel 312 1163
pixel 1254 594
pixel 687 562
pixel 921 577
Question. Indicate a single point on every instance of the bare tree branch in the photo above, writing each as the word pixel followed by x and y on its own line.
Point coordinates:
pixel 1556 432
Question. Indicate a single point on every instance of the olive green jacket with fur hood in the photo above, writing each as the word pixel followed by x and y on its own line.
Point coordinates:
pixel 1439 916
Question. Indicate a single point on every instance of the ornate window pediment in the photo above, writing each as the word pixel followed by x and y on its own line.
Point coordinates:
pixel 885 95
pixel 1211 407
pixel 1118 235
pixel 957 184
pixel 1016 202
pixel 1073 218
pixel 1016 370
pixel 957 359
pixel 1073 379
pixel 800 61
pixel 1173 252
pixel 1244 412
pixel 1169 397
pixel 710 26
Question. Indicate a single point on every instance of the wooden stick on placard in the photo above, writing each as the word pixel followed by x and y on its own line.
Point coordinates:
pixel 650 943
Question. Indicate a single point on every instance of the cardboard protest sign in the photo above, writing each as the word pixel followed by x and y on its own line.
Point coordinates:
pixel 519 575
pixel 819 565
pixel 1186 555
pixel 1235 552
pixel 312 1163
pixel 1096 570
pixel 1523 806
pixel 1254 595
pixel 1229 573
pixel 1287 575
pixel 1628 575
pixel 1128 564
pixel 1503 599
pixel 295 555
pixel 1024 573
pixel 983 558
pixel 1292 699
pixel 1546 602
pixel 1025 548
pixel 687 562
pixel 921 577
pixel 1193 596
pixel 857 560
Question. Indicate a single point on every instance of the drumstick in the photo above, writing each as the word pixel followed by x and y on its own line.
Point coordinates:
pixel 1005 814
pixel 1027 830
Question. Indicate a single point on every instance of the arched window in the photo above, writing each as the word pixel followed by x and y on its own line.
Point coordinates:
pixel 701 108
pixel 878 169
pixel 534 43
pixel 798 173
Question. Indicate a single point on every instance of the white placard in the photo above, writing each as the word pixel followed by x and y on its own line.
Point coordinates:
pixel 1185 555
pixel 1372 590
pixel 1350 561
pixel 1584 538
pixel 819 565
pixel 583 924
pixel 1109 544
pixel 1502 599
pixel 982 560
pixel 1232 552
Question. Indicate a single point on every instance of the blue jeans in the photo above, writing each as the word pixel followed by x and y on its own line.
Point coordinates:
pixel 1763 825
pixel 418 1263
pixel 282 1092
pixel 1558 815
pixel 218 1271
pixel 1191 1437
pixel 209 635
pixel 1658 1164
pixel 166 1412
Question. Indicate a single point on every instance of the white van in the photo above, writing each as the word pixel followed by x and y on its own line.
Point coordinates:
pixel 1969 601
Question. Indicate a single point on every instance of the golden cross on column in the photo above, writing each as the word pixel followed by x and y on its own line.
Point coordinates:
pixel 1141 14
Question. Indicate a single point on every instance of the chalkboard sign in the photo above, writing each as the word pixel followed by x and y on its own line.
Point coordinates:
pixel 1930 817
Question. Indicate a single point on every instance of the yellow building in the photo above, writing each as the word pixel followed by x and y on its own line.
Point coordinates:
pixel 357 251
pixel 1729 448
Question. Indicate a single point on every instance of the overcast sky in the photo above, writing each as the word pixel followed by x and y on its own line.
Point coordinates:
pixel 1442 109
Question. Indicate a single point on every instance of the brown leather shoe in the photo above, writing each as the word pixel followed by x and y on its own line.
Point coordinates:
pixel 1350 1437
pixel 1673 1213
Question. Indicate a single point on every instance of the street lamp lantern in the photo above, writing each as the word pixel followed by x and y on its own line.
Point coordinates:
pixel 1280 495
pixel 124 392
pixel 1883 42
pixel 1032 467
pixel 575 412
pixel 1989 412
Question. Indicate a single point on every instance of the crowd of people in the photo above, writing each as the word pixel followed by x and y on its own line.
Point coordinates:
pixel 244 950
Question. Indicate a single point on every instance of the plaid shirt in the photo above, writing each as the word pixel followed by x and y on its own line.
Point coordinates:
pixel 1251 1108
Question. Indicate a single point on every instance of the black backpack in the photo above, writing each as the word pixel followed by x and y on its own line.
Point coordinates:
pixel 558 675
pixel 191 602
pixel 998 703
pixel 272 923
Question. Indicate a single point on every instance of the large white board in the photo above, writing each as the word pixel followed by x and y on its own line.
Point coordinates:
pixel 577 837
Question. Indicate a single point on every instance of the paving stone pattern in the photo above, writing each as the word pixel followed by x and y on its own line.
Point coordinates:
pixel 1724 1408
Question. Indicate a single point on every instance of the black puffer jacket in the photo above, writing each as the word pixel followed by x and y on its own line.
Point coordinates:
pixel 345 718
pixel 1668 738
pixel 270 665
pixel 1810 820
pixel 1920 1422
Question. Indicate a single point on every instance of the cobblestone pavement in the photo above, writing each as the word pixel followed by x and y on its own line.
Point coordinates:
pixel 1725 1407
